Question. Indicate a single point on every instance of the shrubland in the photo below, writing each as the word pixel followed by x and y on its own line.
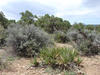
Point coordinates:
pixel 27 40
pixel 34 36
pixel 86 41
pixel 50 23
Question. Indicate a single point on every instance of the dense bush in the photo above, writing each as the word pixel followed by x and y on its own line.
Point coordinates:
pixel 78 26
pixel 58 56
pixel 3 20
pixel 87 42
pixel 27 18
pixel 27 40
pixel 2 36
pixel 50 23
pixel 90 27
pixel 61 37
pixel 96 42
pixel 98 28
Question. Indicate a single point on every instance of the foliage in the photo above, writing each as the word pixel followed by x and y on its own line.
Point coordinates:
pixel 34 62
pixel 98 28
pixel 58 56
pixel 52 23
pixel 3 20
pixel 2 36
pixel 90 27
pixel 78 26
pixel 11 21
pixel 84 41
pixel 27 18
pixel 61 37
pixel 27 40
pixel 78 60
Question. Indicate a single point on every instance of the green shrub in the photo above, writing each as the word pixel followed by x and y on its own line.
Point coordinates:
pixel 61 37
pixel 58 56
pixel 27 40
pixel 50 23
pixel 2 36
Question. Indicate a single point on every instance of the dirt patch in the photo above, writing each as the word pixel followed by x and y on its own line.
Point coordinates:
pixel 91 65
pixel 63 45
pixel 21 67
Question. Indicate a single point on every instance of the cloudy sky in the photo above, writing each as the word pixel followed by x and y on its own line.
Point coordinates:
pixel 86 11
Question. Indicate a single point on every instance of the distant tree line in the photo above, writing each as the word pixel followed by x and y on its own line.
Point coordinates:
pixel 49 23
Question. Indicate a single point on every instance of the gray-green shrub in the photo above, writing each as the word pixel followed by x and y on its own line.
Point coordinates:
pixel 87 42
pixel 61 37
pixel 2 36
pixel 27 40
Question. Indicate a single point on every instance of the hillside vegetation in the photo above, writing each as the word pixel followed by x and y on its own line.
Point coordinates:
pixel 37 38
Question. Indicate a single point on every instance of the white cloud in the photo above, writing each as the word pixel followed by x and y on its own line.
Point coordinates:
pixel 66 7
pixel 60 3
pixel 5 2
pixel 61 8
pixel 77 12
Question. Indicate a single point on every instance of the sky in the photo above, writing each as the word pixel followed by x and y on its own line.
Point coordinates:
pixel 85 11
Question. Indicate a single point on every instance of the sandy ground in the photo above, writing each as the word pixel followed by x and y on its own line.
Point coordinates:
pixel 91 65
pixel 21 67
pixel 63 45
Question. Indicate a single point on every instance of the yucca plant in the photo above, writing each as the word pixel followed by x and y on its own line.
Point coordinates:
pixel 49 55
pixel 58 56
pixel 67 55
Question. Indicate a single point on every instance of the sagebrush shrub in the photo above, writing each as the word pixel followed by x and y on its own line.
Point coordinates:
pixel 61 37
pixel 85 41
pixel 27 40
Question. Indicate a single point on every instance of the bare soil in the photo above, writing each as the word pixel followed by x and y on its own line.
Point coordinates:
pixel 63 45
pixel 91 65
pixel 22 67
